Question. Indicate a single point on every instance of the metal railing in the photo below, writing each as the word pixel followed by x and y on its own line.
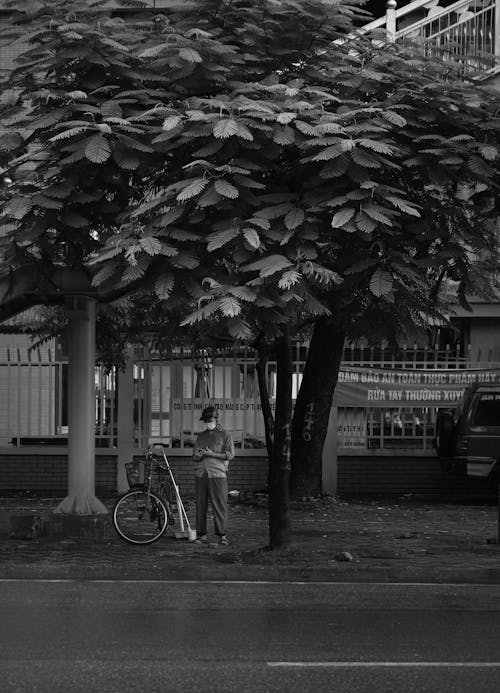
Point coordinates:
pixel 33 400
pixel 466 32
pixel 169 395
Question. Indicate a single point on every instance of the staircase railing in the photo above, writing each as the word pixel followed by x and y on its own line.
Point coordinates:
pixel 465 32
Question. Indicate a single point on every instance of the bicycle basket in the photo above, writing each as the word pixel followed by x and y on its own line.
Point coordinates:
pixel 135 473
pixel 138 473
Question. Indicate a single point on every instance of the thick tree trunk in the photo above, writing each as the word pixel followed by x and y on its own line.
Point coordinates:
pixel 267 412
pixel 312 408
pixel 279 462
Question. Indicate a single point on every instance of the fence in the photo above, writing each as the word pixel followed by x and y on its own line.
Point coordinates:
pixel 384 400
pixel 466 32
pixel 33 400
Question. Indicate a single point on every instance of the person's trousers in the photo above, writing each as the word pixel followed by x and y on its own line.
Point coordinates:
pixel 214 490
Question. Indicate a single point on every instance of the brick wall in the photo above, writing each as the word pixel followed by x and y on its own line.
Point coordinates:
pixel 47 472
pixel 50 473
pixel 358 475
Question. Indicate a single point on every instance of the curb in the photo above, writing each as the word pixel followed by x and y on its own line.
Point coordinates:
pixel 98 528
pixel 34 571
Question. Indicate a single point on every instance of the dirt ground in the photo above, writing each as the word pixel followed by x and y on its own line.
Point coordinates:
pixel 396 539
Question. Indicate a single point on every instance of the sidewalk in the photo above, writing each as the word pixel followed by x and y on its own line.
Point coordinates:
pixel 398 540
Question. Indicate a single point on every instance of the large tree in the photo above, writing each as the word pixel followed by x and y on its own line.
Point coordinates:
pixel 249 165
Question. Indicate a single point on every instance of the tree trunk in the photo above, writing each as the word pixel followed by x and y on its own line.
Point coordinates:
pixel 279 462
pixel 267 412
pixel 312 408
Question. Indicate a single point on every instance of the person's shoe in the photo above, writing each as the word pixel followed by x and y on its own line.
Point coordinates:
pixel 224 540
pixel 202 539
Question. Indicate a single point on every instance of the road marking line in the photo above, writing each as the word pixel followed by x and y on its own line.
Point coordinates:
pixel 475 665
pixel 437 585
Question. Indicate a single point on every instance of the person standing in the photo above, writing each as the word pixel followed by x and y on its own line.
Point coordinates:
pixel 213 450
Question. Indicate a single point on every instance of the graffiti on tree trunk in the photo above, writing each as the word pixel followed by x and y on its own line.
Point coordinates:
pixel 308 422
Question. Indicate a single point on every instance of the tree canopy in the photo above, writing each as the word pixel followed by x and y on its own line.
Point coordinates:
pixel 244 155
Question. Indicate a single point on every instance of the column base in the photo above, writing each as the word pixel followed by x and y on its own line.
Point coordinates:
pixel 81 505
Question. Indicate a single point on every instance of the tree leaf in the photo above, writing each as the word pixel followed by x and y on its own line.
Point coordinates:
pixel 66 134
pixel 365 223
pixel 78 95
pixel 163 286
pixel 126 159
pixel 335 168
pixel 239 329
pixel 154 51
pixel 251 237
pixel 190 55
pixel 285 118
pixel 274 212
pixel 220 238
pixel 171 122
pixel 376 213
pixel 192 189
pixel 225 128
pixel 171 215
pixel 185 261
pixel 244 132
pixel 305 128
pixel 289 278
pixel 376 146
pixel 97 149
pixel 284 135
pixel 18 207
pixel 381 283
pixel 263 224
pixel 394 118
pixel 230 306
pixel 104 273
pixel 342 217
pixel 224 188
pixel 294 218
pixel 209 198
pixel 402 205
pixel 268 265
pixel 150 245
pixel 106 255
pixel 243 292
pixel 202 313
pixel 364 158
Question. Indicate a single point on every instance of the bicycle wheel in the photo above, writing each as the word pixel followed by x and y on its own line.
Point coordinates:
pixel 139 519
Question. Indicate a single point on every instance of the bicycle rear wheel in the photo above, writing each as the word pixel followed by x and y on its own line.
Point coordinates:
pixel 140 519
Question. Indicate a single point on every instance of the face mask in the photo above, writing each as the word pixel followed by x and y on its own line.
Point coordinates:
pixel 211 425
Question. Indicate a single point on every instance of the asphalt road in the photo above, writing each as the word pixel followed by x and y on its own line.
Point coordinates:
pixel 120 636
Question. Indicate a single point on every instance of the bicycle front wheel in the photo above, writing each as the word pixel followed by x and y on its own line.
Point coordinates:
pixel 139 518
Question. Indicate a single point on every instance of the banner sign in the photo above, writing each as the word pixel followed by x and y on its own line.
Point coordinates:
pixel 384 387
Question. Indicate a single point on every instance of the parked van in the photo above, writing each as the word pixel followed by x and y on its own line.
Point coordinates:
pixel 471 432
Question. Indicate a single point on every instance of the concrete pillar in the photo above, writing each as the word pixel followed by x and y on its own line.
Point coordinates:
pixel 329 480
pixel 81 498
pixel 125 421
pixel 496 36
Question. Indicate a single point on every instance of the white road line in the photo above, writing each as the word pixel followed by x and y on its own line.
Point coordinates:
pixel 138 581
pixel 352 665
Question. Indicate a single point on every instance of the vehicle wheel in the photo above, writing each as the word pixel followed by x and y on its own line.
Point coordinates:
pixel 445 440
pixel 140 519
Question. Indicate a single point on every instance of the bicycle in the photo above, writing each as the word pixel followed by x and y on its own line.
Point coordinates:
pixel 143 514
